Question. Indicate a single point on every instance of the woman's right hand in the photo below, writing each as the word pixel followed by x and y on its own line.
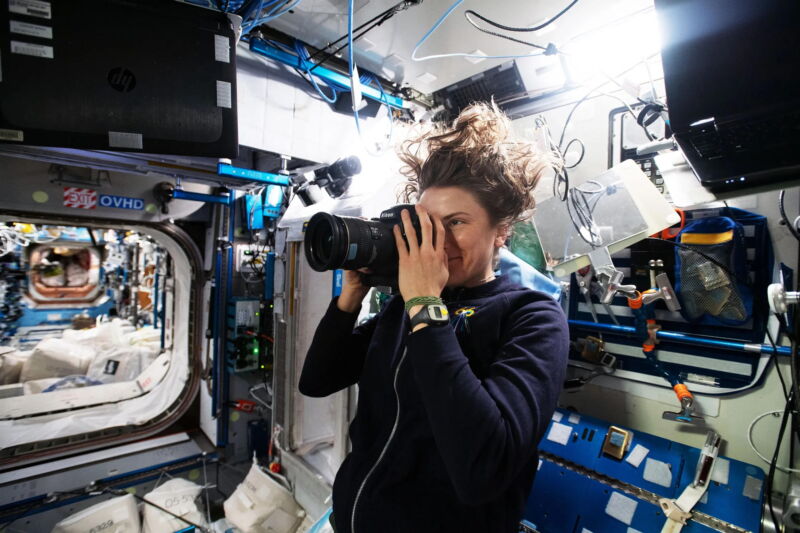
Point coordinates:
pixel 354 290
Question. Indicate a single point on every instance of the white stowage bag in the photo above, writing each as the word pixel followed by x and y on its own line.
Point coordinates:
pixel 262 505
pixel 103 336
pixel 177 496
pixel 117 515
pixel 57 358
pixel 121 363
pixel 11 362
pixel 147 336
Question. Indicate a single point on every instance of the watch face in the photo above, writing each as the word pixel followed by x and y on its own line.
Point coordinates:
pixel 438 313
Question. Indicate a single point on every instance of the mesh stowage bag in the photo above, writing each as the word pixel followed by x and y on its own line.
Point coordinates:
pixel 711 271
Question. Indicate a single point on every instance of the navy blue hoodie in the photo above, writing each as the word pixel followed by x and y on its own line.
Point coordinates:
pixel 449 418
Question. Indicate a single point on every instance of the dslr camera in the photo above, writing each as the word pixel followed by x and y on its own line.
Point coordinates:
pixel 350 243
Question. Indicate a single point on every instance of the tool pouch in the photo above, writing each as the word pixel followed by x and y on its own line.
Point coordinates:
pixel 711 272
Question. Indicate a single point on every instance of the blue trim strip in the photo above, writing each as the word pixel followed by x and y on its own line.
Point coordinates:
pixel 677 337
pixel 328 76
pixel 222 435
pixel 223 169
pixel 155 296
pixel 269 277
pixel 215 334
pixel 224 199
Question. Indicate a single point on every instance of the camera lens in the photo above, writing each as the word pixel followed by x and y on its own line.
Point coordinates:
pixel 325 242
pixel 351 243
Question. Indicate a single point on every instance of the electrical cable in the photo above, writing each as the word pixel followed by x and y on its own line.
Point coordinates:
pixel 785 219
pixel 23 514
pixel 380 18
pixel 753 446
pixel 561 178
pixel 302 53
pixel 793 362
pixel 458 54
pixel 549 50
pixel 773 465
pixel 586 97
pixel 534 28
pixel 777 367
pixel 581 204
pixel 352 68
pixel 580 158
pixel 148 502
pixel 274 13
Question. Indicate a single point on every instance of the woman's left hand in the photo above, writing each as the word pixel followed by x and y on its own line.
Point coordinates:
pixel 423 263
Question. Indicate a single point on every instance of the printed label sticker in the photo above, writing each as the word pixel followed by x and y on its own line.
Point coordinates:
pixel 121 202
pixel 32 49
pixel 33 30
pixel 11 135
pixel 80 198
pixel 32 8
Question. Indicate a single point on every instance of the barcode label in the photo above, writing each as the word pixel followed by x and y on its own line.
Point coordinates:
pixel 11 135
pixel 222 49
pixel 32 30
pixel 32 8
pixel 224 98
pixel 31 49
pixel 121 139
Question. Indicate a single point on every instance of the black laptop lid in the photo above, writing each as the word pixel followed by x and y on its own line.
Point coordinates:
pixel 729 59
pixel 155 76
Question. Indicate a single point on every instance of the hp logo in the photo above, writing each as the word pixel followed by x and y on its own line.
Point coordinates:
pixel 121 79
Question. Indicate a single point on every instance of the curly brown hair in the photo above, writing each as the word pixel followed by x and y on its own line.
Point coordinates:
pixel 481 154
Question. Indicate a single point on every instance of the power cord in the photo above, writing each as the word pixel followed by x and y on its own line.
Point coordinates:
pixel 438 23
pixel 580 158
pixel 372 23
pixel 533 28
pixel 581 203
pixel 784 218
pixel 774 359
pixel 550 49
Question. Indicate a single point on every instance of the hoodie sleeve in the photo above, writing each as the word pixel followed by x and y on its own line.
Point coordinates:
pixel 486 430
pixel 337 352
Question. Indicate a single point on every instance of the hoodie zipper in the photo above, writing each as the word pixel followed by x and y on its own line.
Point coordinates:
pixel 385 446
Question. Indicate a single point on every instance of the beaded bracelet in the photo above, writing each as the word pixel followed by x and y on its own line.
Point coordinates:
pixel 423 300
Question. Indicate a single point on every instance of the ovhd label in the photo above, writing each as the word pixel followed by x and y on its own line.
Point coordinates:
pixel 121 202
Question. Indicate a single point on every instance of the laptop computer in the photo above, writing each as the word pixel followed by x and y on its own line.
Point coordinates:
pixel 154 76
pixel 732 77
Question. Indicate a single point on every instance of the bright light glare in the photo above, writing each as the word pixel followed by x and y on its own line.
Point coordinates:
pixel 615 47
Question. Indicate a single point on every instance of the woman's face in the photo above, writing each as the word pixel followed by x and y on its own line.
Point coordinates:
pixel 470 236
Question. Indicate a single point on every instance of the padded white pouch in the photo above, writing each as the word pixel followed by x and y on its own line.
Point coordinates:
pixel 53 358
pixel 117 515
pixel 121 363
pixel 262 505
pixel 11 362
pixel 177 496
pixel 104 335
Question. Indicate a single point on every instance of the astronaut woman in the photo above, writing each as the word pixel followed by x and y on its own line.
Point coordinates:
pixel 459 374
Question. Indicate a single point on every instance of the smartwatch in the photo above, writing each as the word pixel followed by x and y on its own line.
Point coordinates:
pixel 432 314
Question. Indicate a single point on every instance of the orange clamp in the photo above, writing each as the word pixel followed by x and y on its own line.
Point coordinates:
pixel 681 391
pixel 635 303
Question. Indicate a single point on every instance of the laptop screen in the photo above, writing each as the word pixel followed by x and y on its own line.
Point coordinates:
pixel 729 59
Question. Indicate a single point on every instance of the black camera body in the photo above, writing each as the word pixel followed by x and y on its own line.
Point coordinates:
pixel 350 243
